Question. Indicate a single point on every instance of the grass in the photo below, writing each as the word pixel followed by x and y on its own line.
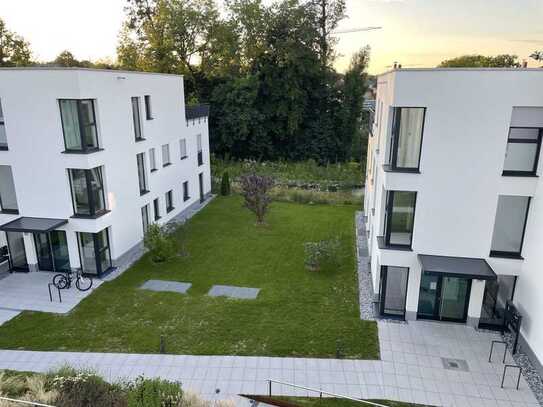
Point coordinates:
pixel 334 402
pixel 298 313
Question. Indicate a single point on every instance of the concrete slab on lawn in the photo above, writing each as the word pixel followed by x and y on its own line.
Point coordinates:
pixel 166 286
pixel 244 293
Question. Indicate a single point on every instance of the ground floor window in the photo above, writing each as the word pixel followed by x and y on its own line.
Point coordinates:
pixel 497 293
pixel 443 297
pixel 94 251
pixel 52 251
pixel 393 291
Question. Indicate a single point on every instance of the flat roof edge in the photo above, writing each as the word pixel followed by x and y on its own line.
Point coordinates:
pixel 460 70
pixel 75 69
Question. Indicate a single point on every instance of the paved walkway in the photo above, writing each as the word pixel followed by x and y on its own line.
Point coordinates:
pixel 411 369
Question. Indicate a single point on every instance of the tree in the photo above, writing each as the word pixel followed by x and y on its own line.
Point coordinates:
pixel 66 59
pixel 328 13
pixel 225 184
pixel 537 56
pixel 481 61
pixel 14 50
pixel 255 190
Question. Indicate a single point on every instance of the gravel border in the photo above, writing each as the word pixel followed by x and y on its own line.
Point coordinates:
pixel 365 286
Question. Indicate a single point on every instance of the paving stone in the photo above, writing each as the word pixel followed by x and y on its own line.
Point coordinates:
pixel 166 286
pixel 245 293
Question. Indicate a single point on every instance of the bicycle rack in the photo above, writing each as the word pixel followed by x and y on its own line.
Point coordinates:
pixel 492 349
pixel 519 374
pixel 51 295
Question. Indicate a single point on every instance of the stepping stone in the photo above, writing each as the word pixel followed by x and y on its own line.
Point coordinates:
pixel 166 286
pixel 245 293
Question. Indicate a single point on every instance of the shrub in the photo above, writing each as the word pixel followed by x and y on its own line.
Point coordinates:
pixel 321 252
pixel 255 190
pixel 154 393
pixel 160 243
pixel 225 184
pixel 87 390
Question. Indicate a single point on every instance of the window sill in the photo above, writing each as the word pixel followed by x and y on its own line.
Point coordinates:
pixel 503 255
pixel 154 170
pixel 95 216
pixel 9 211
pixel 184 157
pixel 144 192
pixel 389 168
pixel 166 165
pixel 171 208
pixel 382 245
pixel 140 139
pixel 519 174
pixel 83 152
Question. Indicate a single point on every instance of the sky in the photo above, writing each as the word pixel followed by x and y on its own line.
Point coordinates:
pixel 416 33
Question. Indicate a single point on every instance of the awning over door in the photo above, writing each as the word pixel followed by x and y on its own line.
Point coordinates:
pixel 33 225
pixel 461 267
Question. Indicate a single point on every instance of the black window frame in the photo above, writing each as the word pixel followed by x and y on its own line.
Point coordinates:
pixel 137 121
pixel 200 149
pixel 84 149
pixel 533 173
pixel 186 195
pixel 389 205
pixel 169 162
pixel 382 284
pixel 169 201
pixel 148 107
pixel 145 218
pixel 3 146
pixel 152 160
pixel 184 142
pixel 156 208
pixel 143 172
pixel 10 211
pixel 392 166
pixel 97 251
pixel 93 213
pixel 518 254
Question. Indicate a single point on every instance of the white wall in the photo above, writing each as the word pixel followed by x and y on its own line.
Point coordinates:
pixel 30 103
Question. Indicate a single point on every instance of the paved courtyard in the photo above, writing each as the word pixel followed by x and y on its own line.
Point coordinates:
pixel 411 369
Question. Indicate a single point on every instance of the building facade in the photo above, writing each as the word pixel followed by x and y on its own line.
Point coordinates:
pixel 88 159
pixel 453 204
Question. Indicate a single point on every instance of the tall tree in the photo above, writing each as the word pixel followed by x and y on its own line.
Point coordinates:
pixel 14 50
pixel 328 13
pixel 481 61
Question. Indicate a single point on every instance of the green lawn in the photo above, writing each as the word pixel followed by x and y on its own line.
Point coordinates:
pixel 298 313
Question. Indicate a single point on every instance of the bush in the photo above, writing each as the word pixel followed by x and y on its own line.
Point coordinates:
pixel 160 243
pixel 225 184
pixel 154 393
pixel 87 390
pixel 323 252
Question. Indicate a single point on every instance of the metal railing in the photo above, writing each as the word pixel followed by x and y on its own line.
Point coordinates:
pixel 519 374
pixel 50 293
pixel 492 349
pixel 27 403
pixel 321 393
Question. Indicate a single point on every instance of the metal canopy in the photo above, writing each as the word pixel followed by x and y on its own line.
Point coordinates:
pixel 33 225
pixel 462 267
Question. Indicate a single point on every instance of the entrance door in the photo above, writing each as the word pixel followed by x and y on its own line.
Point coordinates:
pixel 393 291
pixel 52 251
pixel 444 298
pixel 201 182
pixel 17 253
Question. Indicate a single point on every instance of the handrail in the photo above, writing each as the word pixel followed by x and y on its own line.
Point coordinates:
pixel 29 403
pixel 321 392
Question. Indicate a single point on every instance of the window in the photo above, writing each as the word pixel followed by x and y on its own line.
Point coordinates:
pixel 199 144
pixel 87 192
pixel 8 198
pixel 78 125
pixel 183 148
pixel 156 207
pixel 142 175
pixel 522 154
pixel 3 137
pixel 152 159
pixel 399 218
pixel 169 201
pixel 186 196
pixel 136 118
pixel 166 155
pixel 406 142
pixel 145 218
pixel 509 226
pixel 393 291
pixel 94 252
pixel 148 110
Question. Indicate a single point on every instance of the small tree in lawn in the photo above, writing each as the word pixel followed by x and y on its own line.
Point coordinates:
pixel 160 243
pixel 255 189
pixel 225 184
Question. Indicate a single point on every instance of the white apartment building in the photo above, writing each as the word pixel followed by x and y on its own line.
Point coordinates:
pixel 454 197
pixel 88 159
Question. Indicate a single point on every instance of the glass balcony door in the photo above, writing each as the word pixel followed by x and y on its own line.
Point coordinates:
pixel 52 251
pixel 393 291
pixel 17 253
pixel 444 298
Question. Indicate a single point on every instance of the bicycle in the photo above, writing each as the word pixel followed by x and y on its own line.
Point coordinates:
pixel 62 281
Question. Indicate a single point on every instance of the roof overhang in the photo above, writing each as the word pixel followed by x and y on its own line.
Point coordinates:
pixel 33 225
pixel 461 267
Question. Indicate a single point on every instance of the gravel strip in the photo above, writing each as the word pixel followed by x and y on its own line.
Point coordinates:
pixel 365 286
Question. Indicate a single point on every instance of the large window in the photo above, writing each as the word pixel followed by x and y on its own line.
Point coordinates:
pixel 199 146
pixel 186 196
pixel 87 192
pixel 136 118
pixel 152 159
pixel 169 201
pixel 79 125
pixel 3 137
pixel 509 226
pixel 166 155
pixel 405 146
pixel 145 218
pixel 183 148
pixel 94 252
pixel 393 290
pixel 142 174
pixel 522 154
pixel 156 207
pixel 8 198
pixel 148 108
pixel 399 218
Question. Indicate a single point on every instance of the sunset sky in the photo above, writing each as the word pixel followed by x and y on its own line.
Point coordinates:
pixel 417 33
